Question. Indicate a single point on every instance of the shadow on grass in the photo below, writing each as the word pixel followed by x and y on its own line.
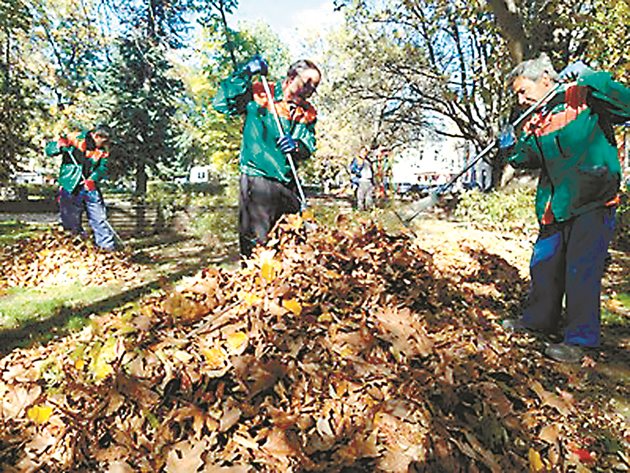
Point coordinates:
pixel 58 324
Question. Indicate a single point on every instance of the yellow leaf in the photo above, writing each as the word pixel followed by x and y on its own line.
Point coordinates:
pixel 79 364
pixel 346 351
pixel 101 370
pixel 215 357
pixel 308 214
pixel 295 221
pixel 325 318
pixel 237 342
pixel 268 270
pixel 250 299
pixel 111 350
pixel 268 267
pixel 535 462
pixel 293 306
pixel 39 413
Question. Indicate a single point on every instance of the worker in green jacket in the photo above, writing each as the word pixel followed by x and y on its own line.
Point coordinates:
pixel 570 139
pixel 267 184
pixel 83 166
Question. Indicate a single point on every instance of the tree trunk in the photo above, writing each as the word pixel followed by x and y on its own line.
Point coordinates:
pixel 511 26
pixel 140 196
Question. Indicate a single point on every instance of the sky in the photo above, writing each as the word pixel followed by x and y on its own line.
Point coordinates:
pixel 290 19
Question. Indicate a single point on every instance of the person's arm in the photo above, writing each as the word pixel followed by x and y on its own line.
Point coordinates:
pixel 99 172
pixel 523 155
pixel 607 94
pixel 235 92
pixel 304 135
pixel 63 143
pixel 354 167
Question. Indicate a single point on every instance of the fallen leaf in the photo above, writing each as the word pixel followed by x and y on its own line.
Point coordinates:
pixel 39 413
pixel 535 462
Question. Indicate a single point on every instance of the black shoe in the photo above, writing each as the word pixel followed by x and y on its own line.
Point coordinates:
pixel 515 326
pixel 564 353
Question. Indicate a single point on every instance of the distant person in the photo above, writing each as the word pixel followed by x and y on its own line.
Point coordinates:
pixel 267 185
pixel 570 139
pixel 382 172
pixel 362 172
pixel 83 166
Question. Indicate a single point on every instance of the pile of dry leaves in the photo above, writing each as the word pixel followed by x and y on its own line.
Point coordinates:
pixel 57 258
pixel 331 351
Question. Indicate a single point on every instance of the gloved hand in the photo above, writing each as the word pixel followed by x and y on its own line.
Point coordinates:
pixel 287 144
pixel 256 65
pixel 89 185
pixel 507 137
pixel 572 71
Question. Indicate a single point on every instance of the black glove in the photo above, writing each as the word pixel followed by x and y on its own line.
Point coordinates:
pixel 287 144
pixel 256 65
pixel 507 137
pixel 572 71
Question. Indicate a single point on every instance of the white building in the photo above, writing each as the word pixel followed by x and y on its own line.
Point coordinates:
pixel 28 177
pixel 436 160
pixel 200 174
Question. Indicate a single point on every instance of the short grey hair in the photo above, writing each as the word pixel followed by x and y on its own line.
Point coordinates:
pixel 533 69
pixel 302 65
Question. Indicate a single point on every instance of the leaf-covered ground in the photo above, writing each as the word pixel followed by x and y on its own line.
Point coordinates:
pixel 332 350
pixel 55 257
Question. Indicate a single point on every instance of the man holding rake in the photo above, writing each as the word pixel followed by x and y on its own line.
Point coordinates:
pixel 279 128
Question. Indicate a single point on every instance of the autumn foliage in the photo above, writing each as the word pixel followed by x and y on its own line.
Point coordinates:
pixel 57 258
pixel 332 350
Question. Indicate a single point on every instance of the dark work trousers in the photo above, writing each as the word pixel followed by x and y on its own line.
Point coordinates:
pixel 262 202
pixel 568 260
pixel 71 207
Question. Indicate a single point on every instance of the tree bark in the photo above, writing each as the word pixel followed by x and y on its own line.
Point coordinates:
pixel 511 26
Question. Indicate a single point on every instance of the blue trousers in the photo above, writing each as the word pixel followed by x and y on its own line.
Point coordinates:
pixel 71 207
pixel 568 260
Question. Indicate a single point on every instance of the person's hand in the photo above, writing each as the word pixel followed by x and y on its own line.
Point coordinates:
pixel 63 142
pixel 507 137
pixel 256 65
pixel 572 71
pixel 287 144
pixel 89 185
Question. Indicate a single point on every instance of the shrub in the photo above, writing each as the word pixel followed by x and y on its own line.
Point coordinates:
pixel 508 209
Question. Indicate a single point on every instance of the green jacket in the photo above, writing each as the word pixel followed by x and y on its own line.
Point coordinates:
pixel 81 160
pixel 260 155
pixel 571 140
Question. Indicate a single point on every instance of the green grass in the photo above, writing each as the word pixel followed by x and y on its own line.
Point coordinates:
pixel 23 306
pixel 624 298
pixel 616 318
pixel 14 230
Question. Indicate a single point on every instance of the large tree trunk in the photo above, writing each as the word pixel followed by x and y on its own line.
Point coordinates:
pixel 511 26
